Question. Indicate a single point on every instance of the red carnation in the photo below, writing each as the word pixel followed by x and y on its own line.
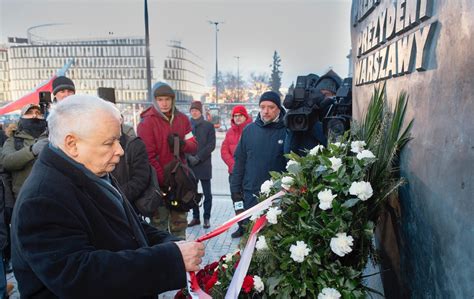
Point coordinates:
pixel 211 282
pixel 248 284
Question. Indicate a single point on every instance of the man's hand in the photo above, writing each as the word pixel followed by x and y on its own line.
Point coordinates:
pixel 192 253
pixel 38 146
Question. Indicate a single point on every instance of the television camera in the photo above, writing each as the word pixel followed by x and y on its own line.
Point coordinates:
pixel 306 105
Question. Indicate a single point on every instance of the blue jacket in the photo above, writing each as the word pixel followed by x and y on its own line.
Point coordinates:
pixel 260 151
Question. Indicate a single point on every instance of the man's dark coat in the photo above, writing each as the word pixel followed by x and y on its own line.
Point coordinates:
pixel 69 240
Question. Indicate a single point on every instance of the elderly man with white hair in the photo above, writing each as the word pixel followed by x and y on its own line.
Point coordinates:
pixel 74 235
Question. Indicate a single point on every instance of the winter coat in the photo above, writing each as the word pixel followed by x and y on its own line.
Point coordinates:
pixel 205 135
pixel 154 130
pixel 3 226
pixel 134 180
pixel 259 151
pixel 70 240
pixel 18 162
pixel 231 140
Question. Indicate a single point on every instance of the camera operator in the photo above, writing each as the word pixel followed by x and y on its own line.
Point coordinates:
pixel 307 103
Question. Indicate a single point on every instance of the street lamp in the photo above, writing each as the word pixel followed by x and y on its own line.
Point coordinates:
pixel 216 24
pixel 238 78
pixel 148 60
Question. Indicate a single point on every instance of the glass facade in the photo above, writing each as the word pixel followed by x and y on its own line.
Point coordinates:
pixel 185 74
pixel 4 76
pixel 117 63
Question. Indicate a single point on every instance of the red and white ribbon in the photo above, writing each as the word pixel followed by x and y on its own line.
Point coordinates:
pixel 193 286
pixel 244 263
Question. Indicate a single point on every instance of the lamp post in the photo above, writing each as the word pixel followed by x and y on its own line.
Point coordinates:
pixel 238 78
pixel 148 60
pixel 216 24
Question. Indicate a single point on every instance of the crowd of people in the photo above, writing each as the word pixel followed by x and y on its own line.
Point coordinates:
pixel 68 217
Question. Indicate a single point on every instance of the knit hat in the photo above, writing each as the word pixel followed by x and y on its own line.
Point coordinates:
pixel 328 84
pixel 272 97
pixel 162 89
pixel 25 108
pixel 61 83
pixel 196 105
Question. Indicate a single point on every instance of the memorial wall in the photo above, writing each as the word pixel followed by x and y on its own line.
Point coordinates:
pixel 426 48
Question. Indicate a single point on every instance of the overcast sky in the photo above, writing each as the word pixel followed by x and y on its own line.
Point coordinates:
pixel 309 35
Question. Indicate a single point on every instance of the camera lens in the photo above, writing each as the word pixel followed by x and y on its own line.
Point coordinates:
pixel 299 122
pixel 336 127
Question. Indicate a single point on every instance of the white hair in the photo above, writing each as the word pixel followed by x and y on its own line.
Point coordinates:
pixel 78 114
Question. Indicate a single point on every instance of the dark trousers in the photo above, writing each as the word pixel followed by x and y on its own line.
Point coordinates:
pixel 206 189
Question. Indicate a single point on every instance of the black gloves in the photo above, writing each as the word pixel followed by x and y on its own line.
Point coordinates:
pixel 171 142
pixel 238 200
pixel 193 160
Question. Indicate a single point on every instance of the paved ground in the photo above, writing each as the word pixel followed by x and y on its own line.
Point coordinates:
pixel 222 210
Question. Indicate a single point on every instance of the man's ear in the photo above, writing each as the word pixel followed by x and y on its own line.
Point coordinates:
pixel 70 144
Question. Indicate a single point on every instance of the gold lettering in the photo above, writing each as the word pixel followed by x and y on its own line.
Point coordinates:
pixel 424 9
pixel 363 72
pixel 391 68
pixel 390 23
pixel 382 62
pixel 400 15
pixel 410 14
pixel 405 54
pixel 421 38
pixel 376 66
pixel 381 26
pixel 370 68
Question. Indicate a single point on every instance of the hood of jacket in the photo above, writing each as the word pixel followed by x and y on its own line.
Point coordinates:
pixel 161 89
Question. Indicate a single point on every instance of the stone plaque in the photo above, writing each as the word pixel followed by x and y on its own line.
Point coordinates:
pixel 425 47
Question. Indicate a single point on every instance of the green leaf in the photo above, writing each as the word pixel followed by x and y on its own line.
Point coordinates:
pixel 304 204
pixel 350 203
pixel 272 283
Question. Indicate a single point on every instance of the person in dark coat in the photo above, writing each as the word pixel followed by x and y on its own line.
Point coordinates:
pixel 73 233
pixel 133 170
pixel 200 163
pixel 259 151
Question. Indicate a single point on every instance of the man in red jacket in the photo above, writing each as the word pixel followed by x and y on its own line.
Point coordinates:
pixel 159 124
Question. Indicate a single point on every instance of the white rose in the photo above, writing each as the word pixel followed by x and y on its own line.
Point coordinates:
pixel 228 257
pixel 258 284
pixel 325 199
pixel 357 146
pixel 286 182
pixel 365 154
pixel 315 150
pixel 299 251
pixel 261 243
pixel 218 283
pixel 329 293
pixel 341 244
pixel 338 144
pixel 335 163
pixel 363 190
pixel 266 186
pixel 272 214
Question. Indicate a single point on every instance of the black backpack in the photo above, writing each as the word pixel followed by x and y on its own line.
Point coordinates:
pixel 180 184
